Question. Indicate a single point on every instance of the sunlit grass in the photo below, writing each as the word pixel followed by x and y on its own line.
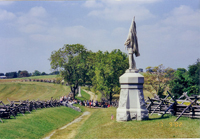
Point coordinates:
pixel 37 124
pixel 85 96
pixel 100 125
pixel 31 90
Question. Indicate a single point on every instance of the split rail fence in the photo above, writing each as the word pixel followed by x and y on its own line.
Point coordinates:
pixel 16 107
pixel 189 107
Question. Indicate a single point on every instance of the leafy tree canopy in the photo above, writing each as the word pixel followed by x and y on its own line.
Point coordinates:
pixel 43 73
pixel 71 61
pixel 108 68
pixel 36 73
pixel 157 79
pixel 11 74
pixel 23 74
pixel 186 81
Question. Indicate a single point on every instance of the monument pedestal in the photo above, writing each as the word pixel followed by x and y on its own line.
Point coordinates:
pixel 131 102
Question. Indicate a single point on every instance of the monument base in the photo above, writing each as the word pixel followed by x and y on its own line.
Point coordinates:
pixel 131 114
pixel 131 103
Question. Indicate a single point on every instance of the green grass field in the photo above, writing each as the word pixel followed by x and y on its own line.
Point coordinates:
pixel 85 96
pixel 40 77
pixel 100 125
pixel 31 90
pixel 37 124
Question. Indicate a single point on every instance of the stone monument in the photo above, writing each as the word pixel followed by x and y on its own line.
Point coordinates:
pixel 79 91
pixel 131 102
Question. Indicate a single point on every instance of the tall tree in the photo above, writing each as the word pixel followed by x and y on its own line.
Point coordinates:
pixel 11 74
pixel 108 68
pixel 179 84
pixel 43 73
pixel 24 74
pixel 186 81
pixel 194 78
pixel 157 78
pixel 71 61
pixel 36 73
pixel 18 74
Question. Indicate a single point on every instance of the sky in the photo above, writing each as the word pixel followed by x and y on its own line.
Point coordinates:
pixel 168 31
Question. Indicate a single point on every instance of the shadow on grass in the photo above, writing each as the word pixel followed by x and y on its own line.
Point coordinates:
pixel 159 118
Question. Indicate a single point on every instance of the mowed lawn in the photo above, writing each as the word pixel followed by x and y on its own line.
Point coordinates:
pixel 100 125
pixel 37 124
pixel 31 91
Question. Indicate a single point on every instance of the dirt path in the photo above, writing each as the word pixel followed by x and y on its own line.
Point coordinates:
pixel 92 95
pixel 69 131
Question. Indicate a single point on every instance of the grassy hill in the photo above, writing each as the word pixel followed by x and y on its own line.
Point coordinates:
pixel 40 122
pixel 31 90
pixel 37 124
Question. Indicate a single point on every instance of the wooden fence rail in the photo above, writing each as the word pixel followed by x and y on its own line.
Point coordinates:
pixel 16 107
pixel 172 106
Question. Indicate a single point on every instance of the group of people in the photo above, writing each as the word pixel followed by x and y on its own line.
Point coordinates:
pixel 68 99
pixel 91 103
pixel 86 103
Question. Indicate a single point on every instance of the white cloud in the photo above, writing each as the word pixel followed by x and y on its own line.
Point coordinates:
pixel 121 10
pixel 37 12
pixel 26 19
pixel 172 40
pixel 92 4
pixel 34 21
pixel 181 25
pixel 36 15
pixel 5 15
pixel 183 15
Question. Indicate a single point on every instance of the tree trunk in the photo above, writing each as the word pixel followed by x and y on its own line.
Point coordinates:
pixel 110 97
pixel 74 90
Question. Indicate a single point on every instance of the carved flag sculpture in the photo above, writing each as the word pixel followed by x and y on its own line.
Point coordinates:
pixel 132 45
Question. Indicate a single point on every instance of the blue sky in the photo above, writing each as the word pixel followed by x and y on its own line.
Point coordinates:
pixel 168 30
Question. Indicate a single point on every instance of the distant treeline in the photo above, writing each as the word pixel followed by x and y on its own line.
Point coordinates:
pixel 25 73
